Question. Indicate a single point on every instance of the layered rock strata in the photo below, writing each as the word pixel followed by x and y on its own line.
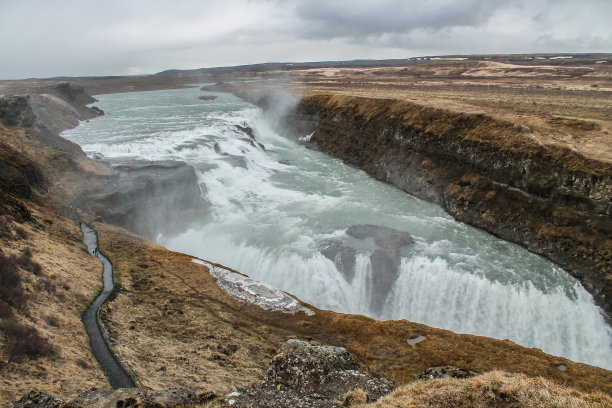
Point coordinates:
pixel 483 171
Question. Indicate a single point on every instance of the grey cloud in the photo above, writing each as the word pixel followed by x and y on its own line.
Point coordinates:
pixel 71 37
pixel 345 18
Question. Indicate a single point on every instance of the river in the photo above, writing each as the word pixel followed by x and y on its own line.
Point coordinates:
pixel 275 207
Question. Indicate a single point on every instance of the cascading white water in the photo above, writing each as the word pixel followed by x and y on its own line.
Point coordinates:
pixel 272 209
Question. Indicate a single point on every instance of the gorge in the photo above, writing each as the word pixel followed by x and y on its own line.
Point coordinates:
pixel 246 182
pixel 278 208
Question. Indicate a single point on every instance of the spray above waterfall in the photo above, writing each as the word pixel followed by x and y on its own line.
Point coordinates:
pixel 326 232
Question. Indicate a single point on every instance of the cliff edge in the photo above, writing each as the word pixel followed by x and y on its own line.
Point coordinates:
pixel 484 171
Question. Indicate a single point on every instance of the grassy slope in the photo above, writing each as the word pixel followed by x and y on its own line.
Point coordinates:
pixel 493 389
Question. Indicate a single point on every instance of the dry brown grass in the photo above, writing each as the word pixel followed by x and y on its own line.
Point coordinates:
pixel 493 389
pixel 50 316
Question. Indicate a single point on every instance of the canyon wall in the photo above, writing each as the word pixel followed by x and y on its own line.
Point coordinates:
pixel 483 171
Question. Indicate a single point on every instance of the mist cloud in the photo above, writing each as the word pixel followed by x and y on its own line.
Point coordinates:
pixel 63 37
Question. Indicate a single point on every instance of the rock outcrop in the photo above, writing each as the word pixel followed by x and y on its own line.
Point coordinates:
pixel 150 198
pixel 445 372
pixel 385 245
pixel 38 399
pixel 18 174
pixel 483 171
pixel 16 111
pixel 304 374
pixel 61 106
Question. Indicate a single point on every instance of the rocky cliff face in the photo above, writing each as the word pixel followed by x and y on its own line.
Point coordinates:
pixel 150 198
pixel 483 171
pixel 16 111
pixel 61 106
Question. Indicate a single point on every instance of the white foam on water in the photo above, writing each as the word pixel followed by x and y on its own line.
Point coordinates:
pixel 269 219
pixel 430 291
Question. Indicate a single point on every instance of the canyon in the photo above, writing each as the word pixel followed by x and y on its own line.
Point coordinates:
pixel 486 170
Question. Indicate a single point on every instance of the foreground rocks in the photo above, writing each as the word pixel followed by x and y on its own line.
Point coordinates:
pixel 304 374
pixel 120 398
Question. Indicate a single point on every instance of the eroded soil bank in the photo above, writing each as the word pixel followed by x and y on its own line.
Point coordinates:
pixel 484 171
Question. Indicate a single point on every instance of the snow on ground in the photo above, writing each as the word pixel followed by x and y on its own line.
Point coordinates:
pixel 254 292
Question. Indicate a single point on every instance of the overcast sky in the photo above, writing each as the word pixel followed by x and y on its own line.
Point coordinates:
pixel 43 38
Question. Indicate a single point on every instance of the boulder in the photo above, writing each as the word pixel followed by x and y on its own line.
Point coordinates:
pixel 304 374
pixel 342 255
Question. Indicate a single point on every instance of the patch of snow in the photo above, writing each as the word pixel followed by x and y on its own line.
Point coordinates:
pixel 448 59
pixel 601 62
pixel 254 292
pixel 306 138
pixel 562 57
pixel 540 57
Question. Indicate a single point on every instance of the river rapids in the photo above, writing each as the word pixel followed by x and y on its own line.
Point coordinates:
pixel 276 209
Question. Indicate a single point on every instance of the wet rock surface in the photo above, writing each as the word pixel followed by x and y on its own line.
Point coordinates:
pixel 385 244
pixel 341 254
pixel 304 374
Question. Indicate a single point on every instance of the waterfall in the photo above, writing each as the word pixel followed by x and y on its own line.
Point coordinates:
pixel 278 212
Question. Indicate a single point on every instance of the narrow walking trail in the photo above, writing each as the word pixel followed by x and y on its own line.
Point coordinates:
pixel 118 376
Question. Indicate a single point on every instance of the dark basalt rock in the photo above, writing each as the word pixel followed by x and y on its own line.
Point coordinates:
pixel 16 111
pixel 386 245
pixel 247 130
pixel 310 375
pixel 385 259
pixel 343 256
pixel 384 237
